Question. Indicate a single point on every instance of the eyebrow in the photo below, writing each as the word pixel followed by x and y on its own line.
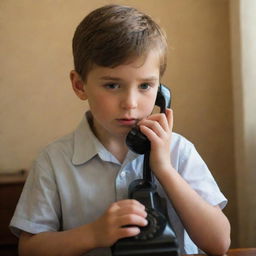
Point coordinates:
pixel 112 78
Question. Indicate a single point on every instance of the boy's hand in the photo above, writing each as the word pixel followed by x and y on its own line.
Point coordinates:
pixel 113 225
pixel 158 129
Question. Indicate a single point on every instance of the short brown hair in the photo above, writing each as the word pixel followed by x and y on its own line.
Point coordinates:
pixel 114 34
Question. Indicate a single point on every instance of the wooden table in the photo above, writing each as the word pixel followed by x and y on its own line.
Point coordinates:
pixel 234 252
pixel 242 252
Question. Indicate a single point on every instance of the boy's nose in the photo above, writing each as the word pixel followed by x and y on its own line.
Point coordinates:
pixel 129 101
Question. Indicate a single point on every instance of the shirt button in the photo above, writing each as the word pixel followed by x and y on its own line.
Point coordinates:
pixel 122 174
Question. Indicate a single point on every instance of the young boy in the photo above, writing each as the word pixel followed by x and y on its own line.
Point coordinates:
pixel 75 199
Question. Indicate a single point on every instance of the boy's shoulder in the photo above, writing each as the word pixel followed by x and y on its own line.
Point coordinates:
pixel 75 145
pixel 66 142
pixel 179 140
pixel 62 145
pixel 181 148
pixel 63 142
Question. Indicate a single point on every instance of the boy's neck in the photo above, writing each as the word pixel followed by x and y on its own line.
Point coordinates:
pixel 119 153
pixel 115 145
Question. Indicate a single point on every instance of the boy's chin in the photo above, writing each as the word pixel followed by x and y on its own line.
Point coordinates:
pixel 125 131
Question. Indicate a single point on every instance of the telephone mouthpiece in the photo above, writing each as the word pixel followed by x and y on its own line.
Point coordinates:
pixel 137 141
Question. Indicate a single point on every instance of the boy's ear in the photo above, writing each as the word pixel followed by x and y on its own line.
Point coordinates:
pixel 78 85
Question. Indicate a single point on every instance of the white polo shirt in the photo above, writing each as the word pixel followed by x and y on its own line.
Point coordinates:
pixel 75 179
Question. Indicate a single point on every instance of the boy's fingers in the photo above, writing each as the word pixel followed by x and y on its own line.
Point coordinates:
pixel 165 120
pixel 133 220
pixel 169 116
pixel 154 126
pixel 129 202
pixel 133 210
pixel 128 232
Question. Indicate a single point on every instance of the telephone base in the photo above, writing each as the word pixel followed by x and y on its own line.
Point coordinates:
pixel 164 245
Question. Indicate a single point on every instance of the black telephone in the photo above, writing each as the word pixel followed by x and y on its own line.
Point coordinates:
pixel 158 237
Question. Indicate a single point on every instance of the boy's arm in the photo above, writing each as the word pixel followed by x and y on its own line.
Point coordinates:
pixel 104 232
pixel 73 242
pixel 206 224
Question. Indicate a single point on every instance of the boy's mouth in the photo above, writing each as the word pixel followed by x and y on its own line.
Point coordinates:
pixel 127 121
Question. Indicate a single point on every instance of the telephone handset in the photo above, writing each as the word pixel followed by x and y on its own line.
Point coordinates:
pixel 158 237
pixel 135 139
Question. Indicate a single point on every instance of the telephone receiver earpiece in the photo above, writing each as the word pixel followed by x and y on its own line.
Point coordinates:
pixel 136 140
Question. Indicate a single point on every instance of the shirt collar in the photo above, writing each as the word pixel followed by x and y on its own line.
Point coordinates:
pixel 87 146
pixel 84 148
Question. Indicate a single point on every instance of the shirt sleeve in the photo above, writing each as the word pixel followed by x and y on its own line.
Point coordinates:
pixel 194 170
pixel 38 209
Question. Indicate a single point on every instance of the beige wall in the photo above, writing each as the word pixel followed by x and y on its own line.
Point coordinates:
pixel 37 104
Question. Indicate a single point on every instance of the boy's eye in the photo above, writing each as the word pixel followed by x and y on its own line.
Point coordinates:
pixel 145 86
pixel 112 86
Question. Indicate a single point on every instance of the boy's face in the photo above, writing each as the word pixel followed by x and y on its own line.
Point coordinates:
pixel 119 97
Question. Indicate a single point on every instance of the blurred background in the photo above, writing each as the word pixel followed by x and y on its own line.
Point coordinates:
pixel 211 71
